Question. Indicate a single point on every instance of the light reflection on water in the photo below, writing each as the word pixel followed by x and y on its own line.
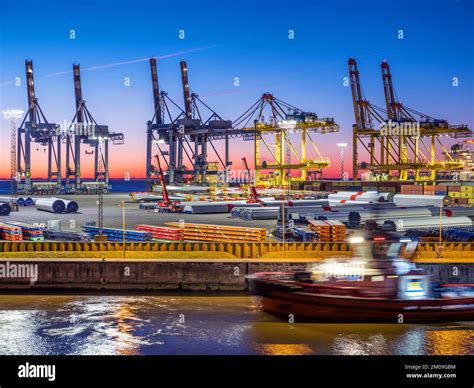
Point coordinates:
pixel 92 324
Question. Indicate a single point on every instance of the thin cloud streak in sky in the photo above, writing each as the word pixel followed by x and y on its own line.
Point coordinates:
pixel 99 67
pixel 7 82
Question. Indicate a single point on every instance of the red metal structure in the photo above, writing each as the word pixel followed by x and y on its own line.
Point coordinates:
pixel 253 190
pixel 166 205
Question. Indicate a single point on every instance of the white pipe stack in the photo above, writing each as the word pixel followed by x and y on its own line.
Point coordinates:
pixel 344 202
pixel 56 205
pixel 71 206
pixel 396 213
pixel 52 205
pixel 433 222
pixel 359 196
pixel 418 200
pixel 20 201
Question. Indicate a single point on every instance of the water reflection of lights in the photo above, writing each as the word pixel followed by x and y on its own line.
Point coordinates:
pixel 19 333
pixel 361 345
pixel 453 341
pixel 212 325
pixel 284 349
pixel 108 323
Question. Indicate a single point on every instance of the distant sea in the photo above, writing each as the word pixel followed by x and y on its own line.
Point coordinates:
pixel 118 185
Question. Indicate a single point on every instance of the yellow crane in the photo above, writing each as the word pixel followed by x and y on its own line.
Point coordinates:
pixel 284 122
pixel 404 145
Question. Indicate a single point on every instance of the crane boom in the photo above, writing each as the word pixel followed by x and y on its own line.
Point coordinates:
pixel 186 95
pixel 388 91
pixel 156 91
pixel 357 99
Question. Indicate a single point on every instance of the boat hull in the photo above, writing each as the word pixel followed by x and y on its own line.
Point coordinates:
pixel 292 301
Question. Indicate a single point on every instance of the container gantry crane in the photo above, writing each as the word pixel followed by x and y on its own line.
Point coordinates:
pixel 187 134
pixel 284 119
pixel 35 128
pixel 85 130
pixel 404 152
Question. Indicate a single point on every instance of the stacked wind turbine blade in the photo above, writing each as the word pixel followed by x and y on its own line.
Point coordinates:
pixel 418 200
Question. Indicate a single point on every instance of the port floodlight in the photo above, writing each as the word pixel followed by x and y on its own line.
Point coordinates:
pixel 342 145
pixel 356 239
pixel 12 113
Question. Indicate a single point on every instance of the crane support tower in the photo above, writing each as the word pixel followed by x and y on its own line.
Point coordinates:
pixel 36 129
pixel 85 130
pixel 401 142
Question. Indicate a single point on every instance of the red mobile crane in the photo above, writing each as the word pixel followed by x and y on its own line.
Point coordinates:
pixel 253 190
pixel 166 205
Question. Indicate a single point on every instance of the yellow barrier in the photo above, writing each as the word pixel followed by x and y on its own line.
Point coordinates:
pixel 446 246
pixel 238 249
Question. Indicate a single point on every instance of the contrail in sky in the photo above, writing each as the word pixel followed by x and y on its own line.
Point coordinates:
pixel 98 67
pixel 7 82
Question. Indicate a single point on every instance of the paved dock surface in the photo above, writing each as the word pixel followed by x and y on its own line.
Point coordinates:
pixel 88 211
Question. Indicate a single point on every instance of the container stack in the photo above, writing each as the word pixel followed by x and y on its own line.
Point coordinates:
pixel 467 195
pixel 429 190
pixel 441 190
pixel 30 232
pixel 220 233
pixel 162 232
pixel 411 189
pixel 459 194
pixel 10 232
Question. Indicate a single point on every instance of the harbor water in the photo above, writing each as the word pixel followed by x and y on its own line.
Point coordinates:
pixel 201 324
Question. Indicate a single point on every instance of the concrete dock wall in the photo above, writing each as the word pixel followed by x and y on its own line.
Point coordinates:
pixel 186 275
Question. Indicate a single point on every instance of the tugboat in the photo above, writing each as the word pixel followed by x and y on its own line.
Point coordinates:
pixel 377 285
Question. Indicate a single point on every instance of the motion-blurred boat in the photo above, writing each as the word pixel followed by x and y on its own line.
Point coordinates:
pixel 376 286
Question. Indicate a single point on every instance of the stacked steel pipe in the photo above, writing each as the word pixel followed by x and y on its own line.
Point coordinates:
pixel 162 232
pixel 10 232
pixel 65 235
pixel 220 233
pixel 29 231
pixel 115 234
